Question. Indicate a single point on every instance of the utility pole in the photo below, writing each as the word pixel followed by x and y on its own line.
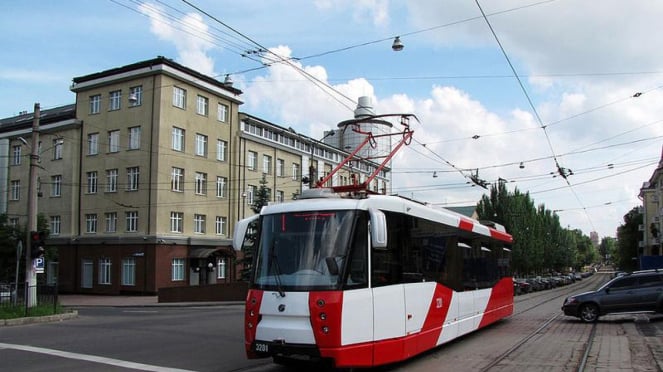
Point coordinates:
pixel 30 274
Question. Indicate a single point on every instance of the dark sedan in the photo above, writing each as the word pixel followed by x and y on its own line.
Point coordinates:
pixel 636 292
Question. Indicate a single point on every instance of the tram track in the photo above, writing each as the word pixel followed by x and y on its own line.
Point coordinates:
pixel 542 299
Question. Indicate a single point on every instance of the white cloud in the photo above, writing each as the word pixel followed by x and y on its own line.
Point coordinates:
pixel 189 34
pixel 374 11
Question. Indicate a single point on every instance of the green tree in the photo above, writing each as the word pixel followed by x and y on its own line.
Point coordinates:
pixel 607 249
pixel 9 238
pixel 628 236
pixel 541 245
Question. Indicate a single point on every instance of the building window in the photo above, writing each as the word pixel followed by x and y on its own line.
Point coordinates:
pixel 177 269
pixel 222 113
pixel 15 187
pixel 92 182
pixel 135 96
pixel 178 139
pixel 295 171
pixel 201 183
pixel 105 271
pixel 221 268
pixel 56 185
pixel 199 223
pixel 176 222
pixel 55 225
pixel 91 223
pixel 16 155
pixel 279 196
pixel 93 143
pixel 58 146
pixel 202 106
pixel 111 222
pixel 201 145
pixel 266 164
pixel 114 141
pixel 133 174
pixel 177 179
pixel 221 225
pixel 132 221
pixel 251 192
pixel 221 148
pixel 111 180
pixel 95 104
pixel 114 100
pixel 179 97
pixel 221 183
pixel 134 138
pixel 252 159
pixel 280 167
pixel 129 271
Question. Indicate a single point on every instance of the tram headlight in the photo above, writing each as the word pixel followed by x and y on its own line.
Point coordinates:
pixel 251 313
pixel 321 302
pixel 323 316
pixel 249 324
pixel 325 329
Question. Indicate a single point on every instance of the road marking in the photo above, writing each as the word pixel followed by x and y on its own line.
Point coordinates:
pixel 91 358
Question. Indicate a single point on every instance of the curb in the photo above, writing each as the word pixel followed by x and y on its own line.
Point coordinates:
pixel 39 319
pixel 159 304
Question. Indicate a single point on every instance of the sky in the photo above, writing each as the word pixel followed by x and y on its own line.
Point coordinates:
pixel 518 91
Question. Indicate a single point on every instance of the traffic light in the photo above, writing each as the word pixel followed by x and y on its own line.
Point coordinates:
pixel 37 244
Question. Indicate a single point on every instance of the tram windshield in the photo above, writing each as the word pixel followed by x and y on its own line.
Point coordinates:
pixel 309 250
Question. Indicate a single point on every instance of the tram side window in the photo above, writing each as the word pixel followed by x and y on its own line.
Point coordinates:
pixel 429 246
pixel 358 268
pixel 386 262
pixel 480 268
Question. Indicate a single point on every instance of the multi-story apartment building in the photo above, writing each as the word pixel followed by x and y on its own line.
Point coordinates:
pixel 651 195
pixel 57 166
pixel 149 172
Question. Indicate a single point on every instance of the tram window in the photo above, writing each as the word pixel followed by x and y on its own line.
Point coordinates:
pixel 387 263
pixel 359 251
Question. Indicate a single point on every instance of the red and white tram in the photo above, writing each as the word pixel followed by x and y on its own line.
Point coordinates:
pixel 366 280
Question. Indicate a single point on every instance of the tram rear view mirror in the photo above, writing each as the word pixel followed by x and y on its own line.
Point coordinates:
pixel 241 227
pixel 378 228
pixel 332 266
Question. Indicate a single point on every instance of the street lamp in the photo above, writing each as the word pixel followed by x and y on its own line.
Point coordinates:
pixel 30 272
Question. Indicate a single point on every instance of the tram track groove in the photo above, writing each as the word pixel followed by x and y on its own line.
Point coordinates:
pixel 520 343
pixel 545 298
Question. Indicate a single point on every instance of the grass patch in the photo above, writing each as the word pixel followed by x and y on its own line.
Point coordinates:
pixel 18 311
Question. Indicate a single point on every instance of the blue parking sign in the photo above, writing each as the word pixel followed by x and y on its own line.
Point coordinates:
pixel 38 264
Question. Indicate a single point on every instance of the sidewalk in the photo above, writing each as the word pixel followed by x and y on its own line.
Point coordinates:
pixel 77 300
pixel 74 300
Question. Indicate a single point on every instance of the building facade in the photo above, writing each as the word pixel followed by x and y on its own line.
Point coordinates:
pixel 143 179
pixel 651 195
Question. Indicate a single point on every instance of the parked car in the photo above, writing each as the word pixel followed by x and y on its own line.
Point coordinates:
pixel 6 292
pixel 640 291
pixel 520 286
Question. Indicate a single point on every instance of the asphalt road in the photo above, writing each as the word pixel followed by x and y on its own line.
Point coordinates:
pixel 209 338
pixel 205 338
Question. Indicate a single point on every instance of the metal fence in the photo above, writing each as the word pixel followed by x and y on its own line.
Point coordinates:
pixel 14 296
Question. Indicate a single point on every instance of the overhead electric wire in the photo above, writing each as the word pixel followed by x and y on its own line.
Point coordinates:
pixel 319 83
pixel 534 110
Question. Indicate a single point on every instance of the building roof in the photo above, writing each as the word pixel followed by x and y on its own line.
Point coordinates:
pixel 152 62
pixel 24 120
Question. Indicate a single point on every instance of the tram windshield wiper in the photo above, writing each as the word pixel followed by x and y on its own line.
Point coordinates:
pixel 277 270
